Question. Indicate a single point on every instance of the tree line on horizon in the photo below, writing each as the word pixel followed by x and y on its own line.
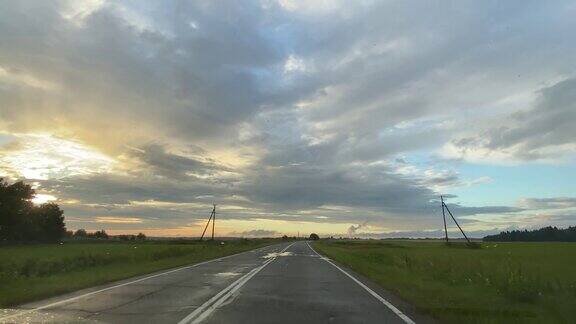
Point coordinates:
pixel 545 234
pixel 82 234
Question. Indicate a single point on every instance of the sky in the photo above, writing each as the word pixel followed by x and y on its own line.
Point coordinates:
pixel 344 118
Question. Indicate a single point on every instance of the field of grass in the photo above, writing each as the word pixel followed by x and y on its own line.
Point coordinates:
pixel 498 283
pixel 30 272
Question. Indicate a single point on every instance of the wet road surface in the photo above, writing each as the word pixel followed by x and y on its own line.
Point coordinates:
pixel 283 283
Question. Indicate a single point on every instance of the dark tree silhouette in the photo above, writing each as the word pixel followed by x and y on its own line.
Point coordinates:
pixel 49 220
pixel 20 220
pixel 141 236
pixel 314 237
pixel 15 206
pixel 101 234
pixel 80 233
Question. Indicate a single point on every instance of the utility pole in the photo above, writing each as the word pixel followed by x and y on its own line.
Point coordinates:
pixel 454 219
pixel 444 218
pixel 213 219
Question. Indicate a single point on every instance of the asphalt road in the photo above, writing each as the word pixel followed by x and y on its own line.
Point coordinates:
pixel 284 283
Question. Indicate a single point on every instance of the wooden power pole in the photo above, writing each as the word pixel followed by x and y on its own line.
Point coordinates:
pixel 444 218
pixel 453 218
pixel 213 219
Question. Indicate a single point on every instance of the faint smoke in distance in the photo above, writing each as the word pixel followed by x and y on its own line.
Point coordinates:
pixel 353 229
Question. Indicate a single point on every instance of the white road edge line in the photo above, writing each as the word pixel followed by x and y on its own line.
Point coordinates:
pixel 393 308
pixel 122 285
pixel 202 312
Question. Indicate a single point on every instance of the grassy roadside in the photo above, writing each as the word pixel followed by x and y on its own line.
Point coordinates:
pixel 499 283
pixel 31 272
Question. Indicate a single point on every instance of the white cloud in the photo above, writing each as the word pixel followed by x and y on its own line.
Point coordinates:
pixel 42 157
pixel 77 10
pixel 294 64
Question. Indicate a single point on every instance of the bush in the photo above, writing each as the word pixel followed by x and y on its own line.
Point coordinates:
pixel 314 237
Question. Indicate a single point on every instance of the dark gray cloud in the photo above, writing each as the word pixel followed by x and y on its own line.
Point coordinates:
pixel 121 189
pixel 549 203
pixel 537 133
pixel 175 166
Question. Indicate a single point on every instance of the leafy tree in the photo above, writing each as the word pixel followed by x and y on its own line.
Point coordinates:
pixel 141 236
pixel 20 220
pixel 49 222
pixel 15 205
pixel 101 234
pixel 80 233
pixel 314 237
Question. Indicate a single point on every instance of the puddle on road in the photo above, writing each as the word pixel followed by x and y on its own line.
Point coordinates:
pixel 227 274
pixel 277 254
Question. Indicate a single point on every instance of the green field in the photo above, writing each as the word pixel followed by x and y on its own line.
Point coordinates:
pixel 499 283
pixel 30 272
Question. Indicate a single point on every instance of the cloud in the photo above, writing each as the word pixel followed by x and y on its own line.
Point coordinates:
pixel 548 203
pixel 117 220
pixel 107 67
pixel 41 157
pixel 354 228
pixel 461 210
pixel 544 132
pixel 176 166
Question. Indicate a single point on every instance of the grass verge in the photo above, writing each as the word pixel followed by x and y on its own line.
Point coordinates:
pixel 31 272
pixel 496 283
